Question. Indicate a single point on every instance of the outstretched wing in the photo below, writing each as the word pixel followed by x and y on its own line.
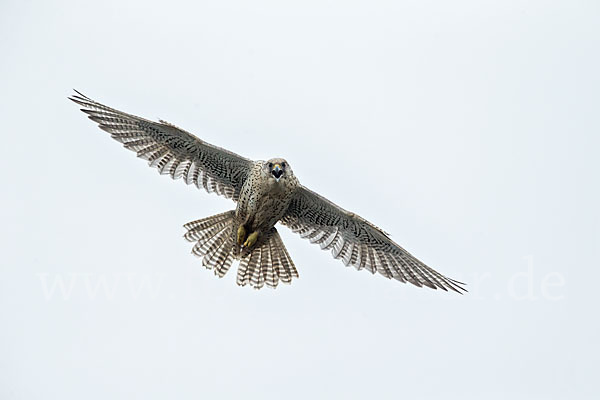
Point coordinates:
pixel 171 150
pixel 358 242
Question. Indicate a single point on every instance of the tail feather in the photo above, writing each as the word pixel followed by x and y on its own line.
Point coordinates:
pixel 267 263
pixel 242 277
pixel 286 260
pixel 257 278
pixel 204 234
pixel 211 244
pixel 212 257
pixel 277 264
pixel 224 259
pixel 205 228
pixel 270 274
pixel 213 239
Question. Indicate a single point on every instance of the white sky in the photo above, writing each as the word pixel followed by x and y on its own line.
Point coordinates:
pixel 468 130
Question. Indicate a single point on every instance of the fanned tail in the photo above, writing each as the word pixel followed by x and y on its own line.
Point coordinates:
pixel 214 241
pixel 267 263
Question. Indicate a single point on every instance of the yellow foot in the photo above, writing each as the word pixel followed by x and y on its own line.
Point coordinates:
pixel 251 239
pixel 241 234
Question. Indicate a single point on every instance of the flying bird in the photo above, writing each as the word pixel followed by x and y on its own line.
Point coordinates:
pixel 266 192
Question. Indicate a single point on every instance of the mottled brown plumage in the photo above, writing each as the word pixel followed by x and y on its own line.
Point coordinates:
pixel 266 192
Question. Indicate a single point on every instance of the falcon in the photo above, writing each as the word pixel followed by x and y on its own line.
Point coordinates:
pixel 266 192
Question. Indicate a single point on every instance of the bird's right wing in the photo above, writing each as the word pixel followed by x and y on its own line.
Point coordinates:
pixel 358 242
pixel 171 150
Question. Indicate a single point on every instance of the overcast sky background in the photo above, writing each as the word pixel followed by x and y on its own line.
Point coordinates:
pixel 469 130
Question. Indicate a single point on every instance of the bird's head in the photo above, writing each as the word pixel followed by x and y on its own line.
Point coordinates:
pixel 277 168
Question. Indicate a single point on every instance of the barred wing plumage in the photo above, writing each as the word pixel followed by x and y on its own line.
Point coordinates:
pixel 358 242
pixel 172 150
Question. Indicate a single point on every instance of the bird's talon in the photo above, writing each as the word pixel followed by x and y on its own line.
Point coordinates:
pixel 251 239
pixel 241 234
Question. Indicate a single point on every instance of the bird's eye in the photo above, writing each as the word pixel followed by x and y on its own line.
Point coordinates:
pixel 270 165
pixel 283 164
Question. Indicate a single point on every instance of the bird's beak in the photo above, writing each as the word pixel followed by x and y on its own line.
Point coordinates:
pixel 277 171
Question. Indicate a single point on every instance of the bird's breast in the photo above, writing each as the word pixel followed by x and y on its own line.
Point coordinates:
pixel 264 204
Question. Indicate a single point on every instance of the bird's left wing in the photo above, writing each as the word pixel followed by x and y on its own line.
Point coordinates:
pixel 171 150
pixel 358 242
